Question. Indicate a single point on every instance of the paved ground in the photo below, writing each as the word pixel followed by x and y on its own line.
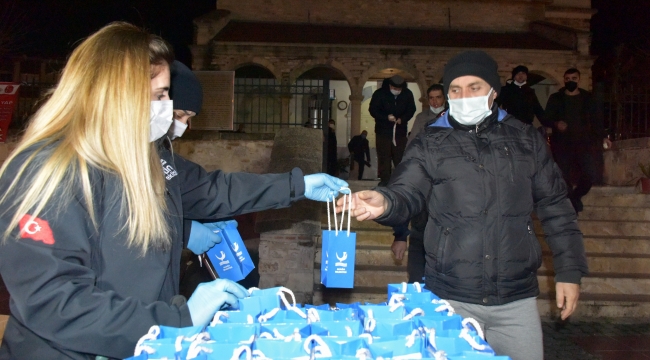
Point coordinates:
pixel 604 339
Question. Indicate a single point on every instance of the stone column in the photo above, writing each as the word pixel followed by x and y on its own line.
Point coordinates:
pixel 288 236
pixel 286 109
pixel 355 112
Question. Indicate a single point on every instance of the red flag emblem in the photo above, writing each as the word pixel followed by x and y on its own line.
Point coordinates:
pixel 36 229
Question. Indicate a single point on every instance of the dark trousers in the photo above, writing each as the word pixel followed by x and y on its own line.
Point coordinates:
pixel 361 164
pixel 387 153
pixel 578 166
pixel 416 254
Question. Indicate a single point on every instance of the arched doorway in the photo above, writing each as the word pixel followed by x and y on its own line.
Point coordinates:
pixel 544 85
pixel 368 122
pixel 326 94
pixel 257 107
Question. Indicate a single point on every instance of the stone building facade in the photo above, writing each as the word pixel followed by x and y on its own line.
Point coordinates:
pixel 360 39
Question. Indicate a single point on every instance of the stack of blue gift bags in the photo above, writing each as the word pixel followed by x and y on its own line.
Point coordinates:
pixel 413 324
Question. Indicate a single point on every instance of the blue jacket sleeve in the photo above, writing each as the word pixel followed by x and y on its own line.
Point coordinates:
pixel 217 195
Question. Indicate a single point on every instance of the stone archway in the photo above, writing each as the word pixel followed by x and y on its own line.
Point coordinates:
pixel 417 75
pixel 254 61
pixel 304 67
pixel 547 86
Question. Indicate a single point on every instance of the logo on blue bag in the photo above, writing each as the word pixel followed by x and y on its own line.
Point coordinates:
pixel 222 262
pixel 239 254
pixel 341 265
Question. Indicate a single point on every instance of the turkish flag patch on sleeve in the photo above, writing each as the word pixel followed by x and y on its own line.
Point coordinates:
pixel 36 229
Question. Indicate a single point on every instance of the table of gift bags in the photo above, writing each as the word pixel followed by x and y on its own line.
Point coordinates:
pixel 413 324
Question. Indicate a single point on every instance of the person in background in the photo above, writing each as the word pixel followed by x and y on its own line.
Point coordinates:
pixel 392 106
pixel 482 254
pixel 519 99
pixel 95 197
pixel 187 93
pixel 332 149
pixel 416 254
pixel 358 147
pixel 578 135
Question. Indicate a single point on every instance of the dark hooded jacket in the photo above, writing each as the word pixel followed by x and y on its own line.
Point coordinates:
pixel 384 103
pixel 588 128
pixel 520 102
pixel 85 292
pixel 479 186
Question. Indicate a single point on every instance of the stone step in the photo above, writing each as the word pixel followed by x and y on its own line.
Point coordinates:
pixel 589 305
pixel 611 228
pixel 599 262
pixel 602 283
pixel 615 213
pixel 371 276
pixel 617 200
pixel 611 245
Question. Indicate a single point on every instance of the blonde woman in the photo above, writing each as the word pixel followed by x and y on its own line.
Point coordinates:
pixel 93 202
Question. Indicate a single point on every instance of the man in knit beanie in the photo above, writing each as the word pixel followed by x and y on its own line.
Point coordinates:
pixel 187 94
pixel 519 99
pixel 479 173
pixel 392 106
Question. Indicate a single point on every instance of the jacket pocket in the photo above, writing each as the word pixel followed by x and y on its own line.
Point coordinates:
pixel 536 247
pixel 507 153
pixel 444 233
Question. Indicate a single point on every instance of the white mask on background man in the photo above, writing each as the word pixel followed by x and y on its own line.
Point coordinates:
pixel 177 129
pixel 437 110
pixel 395 92
pixel 160 118
pixel 520 84
pixel 471 110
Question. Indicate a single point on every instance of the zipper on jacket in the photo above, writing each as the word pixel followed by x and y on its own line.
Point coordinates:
pixel 510 164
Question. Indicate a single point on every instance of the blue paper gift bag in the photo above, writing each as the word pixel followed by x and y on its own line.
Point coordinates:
pixel 338 253
pixel 230 258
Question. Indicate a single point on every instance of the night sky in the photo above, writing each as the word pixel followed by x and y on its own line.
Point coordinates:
pixel 55 26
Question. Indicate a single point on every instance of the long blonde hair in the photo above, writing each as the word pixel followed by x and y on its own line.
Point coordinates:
pixel 98 116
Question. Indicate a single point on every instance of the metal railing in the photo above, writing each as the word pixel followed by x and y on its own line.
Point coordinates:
pixel 627 112
pixel 265 105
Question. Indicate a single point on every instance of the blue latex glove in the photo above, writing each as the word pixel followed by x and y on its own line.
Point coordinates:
pixel 210 297
pixel 322 187
pixel 203 239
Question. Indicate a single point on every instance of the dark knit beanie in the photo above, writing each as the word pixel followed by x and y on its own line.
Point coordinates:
pixel 186 90
pixel 519 69
pixel 475 63
pixel 396 81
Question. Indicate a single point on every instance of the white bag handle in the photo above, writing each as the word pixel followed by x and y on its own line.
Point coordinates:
pixel 349 202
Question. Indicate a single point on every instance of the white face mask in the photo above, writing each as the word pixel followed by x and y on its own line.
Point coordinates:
pixel 436 110
pixel 177 129
pixel 519 83
pixel 395 92
pixel 472 110
pixel 160 118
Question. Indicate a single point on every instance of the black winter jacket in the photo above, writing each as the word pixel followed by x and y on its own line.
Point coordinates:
pixel 589 128
pixel 521 102
pixel 479 189
pixel 87 293
pixel 384 103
